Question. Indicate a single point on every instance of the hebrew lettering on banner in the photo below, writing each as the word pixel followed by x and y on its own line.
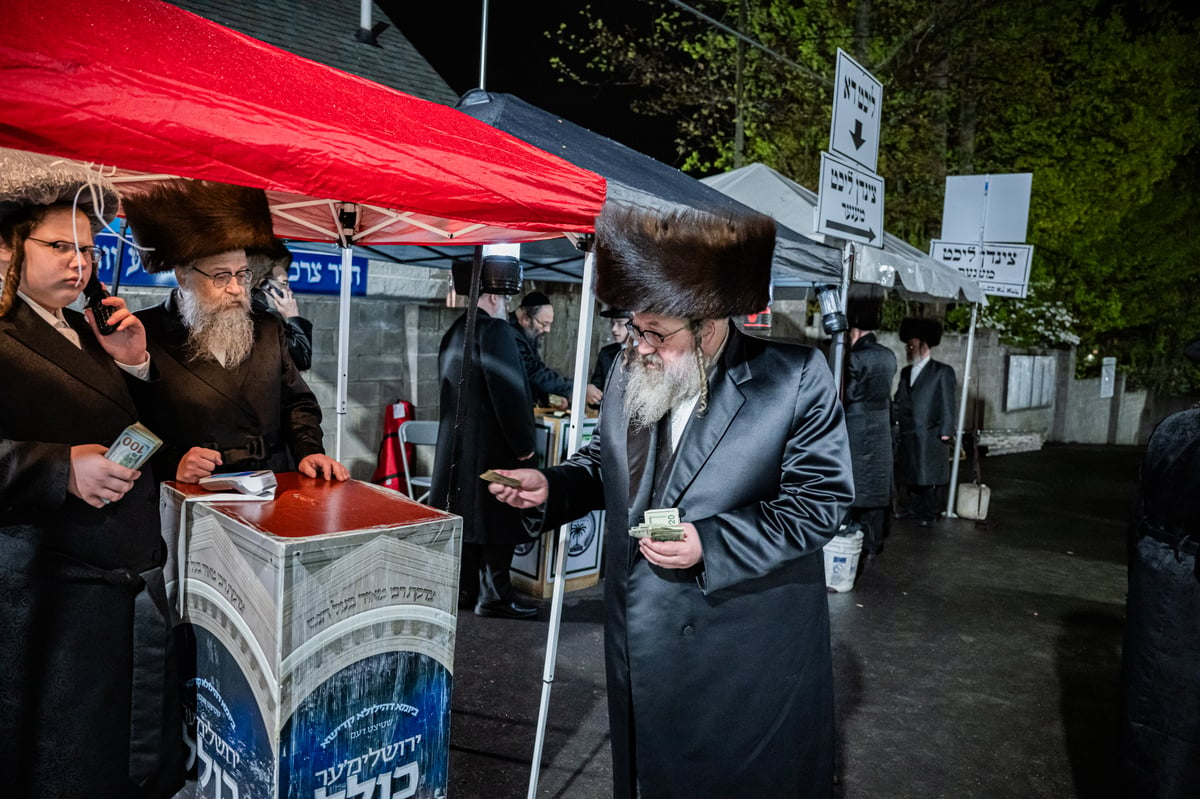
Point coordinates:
pixel 1001 269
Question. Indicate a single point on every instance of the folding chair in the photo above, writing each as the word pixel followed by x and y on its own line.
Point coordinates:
pixel 418 434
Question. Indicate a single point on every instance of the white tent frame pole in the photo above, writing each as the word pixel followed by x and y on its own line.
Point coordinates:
pixel 574 437
pixel 343 354
pixel 952 494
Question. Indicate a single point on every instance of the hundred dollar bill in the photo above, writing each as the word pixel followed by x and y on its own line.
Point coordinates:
pixel 492 476
pixel 134 446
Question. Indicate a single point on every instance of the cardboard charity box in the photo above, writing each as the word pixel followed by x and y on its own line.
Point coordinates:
pixel 318 640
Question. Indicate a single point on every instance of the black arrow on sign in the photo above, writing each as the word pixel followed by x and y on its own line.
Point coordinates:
pixel 868 234
pixel 856 134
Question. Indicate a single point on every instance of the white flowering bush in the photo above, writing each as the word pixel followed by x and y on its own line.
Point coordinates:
pixel 1026 323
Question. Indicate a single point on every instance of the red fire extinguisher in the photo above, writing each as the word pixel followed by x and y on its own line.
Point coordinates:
pixel 389 469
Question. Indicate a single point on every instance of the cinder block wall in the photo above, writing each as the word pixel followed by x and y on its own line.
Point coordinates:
pixel 396 330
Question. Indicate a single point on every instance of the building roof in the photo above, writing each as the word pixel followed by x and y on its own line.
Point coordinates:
pixel 324 31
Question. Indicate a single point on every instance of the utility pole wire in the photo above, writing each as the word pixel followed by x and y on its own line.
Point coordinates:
pixel 753 43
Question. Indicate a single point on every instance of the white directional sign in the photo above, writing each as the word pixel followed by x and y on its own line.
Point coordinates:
pixel 857 110
pixel 1001 269
pixel 849 202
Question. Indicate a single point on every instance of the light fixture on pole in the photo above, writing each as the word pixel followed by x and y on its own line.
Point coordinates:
pixel 833 319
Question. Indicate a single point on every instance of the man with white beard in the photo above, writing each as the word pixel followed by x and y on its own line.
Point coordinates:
pixel 717 649
pixel 229 397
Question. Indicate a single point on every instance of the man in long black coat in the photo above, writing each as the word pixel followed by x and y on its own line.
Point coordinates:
pixel 717 645
pixel 924 408
pixel 1160 695
pixel 230 398
pixel 89 692
pixel 868 402
pixel 498 431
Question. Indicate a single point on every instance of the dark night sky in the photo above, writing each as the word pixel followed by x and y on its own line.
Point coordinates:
pixel 446 33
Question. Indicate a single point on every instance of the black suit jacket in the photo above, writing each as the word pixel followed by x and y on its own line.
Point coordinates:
pixel 764 474
pixel 498 430
pixel 925 413
pixel 83 613
pixel 199 403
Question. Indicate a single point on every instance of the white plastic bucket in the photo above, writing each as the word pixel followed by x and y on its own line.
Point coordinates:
pixel 973 499
pixel 841 561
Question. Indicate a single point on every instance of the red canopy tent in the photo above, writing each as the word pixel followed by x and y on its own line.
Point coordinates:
pixel 151 91
pixel 149 88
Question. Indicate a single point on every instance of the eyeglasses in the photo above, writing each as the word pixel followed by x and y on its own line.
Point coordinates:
pixel 91 254
pixel 652 338
pixel 221 279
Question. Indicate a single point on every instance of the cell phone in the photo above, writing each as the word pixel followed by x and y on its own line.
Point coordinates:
pixel 101 312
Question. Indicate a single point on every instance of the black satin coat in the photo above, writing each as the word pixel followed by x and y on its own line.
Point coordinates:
pixel 868 400
pixel 498 429
pixel 720 676
pixel 82 605
pixel 202 404
pixel 1160 689
pixel 925 413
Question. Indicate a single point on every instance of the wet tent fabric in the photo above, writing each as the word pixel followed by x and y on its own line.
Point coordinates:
pixel 156 91
pixel 896 265
pixel 635 178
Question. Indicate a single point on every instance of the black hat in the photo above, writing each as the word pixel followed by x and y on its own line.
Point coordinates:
pixel 864 313
pixel 534 299
pixel 616 313
pixel 927 330
pixel 686 263
pixel 179 221
pixel 500 274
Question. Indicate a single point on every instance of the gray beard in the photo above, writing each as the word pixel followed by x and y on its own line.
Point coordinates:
pixel 650 394
pixel 224 329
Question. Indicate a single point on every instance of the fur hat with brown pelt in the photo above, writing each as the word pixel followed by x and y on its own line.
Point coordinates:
pixel 181 220
pixel 689 264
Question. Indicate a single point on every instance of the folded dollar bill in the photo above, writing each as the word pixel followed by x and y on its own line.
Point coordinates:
pixel 493 476
pixel 657 532
pixel 134 446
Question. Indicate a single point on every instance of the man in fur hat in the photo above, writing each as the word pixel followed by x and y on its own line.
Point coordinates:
pixel 717 645
pixel 498 430
pixel 231 398
pixel 924 407
pixel 870 369
pixel 89 690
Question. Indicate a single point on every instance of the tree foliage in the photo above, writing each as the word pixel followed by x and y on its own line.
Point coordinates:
pixel 1098 99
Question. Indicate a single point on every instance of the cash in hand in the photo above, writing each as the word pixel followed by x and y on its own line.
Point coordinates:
pixel 659 524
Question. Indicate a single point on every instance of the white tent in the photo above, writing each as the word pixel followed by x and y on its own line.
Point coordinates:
pixel 896 265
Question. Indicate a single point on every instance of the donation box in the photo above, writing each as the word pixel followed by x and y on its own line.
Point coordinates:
pixel 318 640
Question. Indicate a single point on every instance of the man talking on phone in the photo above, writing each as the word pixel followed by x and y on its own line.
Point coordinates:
pixel 229 398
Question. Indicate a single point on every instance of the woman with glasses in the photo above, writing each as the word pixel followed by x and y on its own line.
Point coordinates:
pixel 89 700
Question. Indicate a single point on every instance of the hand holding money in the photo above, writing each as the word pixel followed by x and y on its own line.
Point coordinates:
pixel 659 524
pixel 531 488
pixel 493 476
pixel 667 542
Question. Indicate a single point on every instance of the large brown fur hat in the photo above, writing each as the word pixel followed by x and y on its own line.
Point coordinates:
pixel 927 330
pixel 179 221
pixel 689 264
